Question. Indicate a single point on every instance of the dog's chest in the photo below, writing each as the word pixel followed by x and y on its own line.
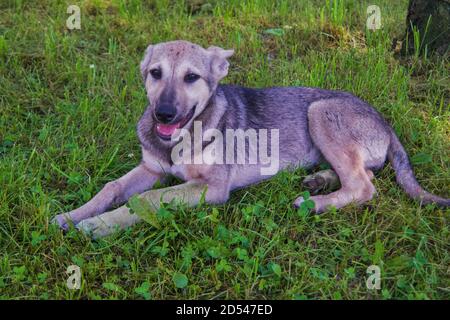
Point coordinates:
pixel 183 171
pixel 189 172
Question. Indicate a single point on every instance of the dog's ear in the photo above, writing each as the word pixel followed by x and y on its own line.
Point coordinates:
pixel 145 62
pixel 219 63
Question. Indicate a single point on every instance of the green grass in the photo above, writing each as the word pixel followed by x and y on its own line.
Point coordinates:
pixel 66 129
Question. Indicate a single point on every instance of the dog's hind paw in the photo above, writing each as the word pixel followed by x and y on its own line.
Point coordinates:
pixel 298 202
pixel 325 180
pixel 311 204
pixel 314 183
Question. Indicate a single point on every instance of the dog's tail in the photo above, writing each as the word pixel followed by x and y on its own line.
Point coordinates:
pixel 405 175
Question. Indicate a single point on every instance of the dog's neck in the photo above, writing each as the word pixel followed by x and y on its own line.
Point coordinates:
pixel 214 111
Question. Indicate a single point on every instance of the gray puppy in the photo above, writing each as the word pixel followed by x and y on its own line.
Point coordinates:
pixel 310 126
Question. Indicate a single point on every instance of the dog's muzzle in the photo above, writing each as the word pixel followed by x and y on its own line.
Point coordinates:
pixel 165 130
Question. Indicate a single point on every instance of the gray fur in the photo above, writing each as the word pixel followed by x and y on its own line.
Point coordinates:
pixel 405 175
pixel 315 125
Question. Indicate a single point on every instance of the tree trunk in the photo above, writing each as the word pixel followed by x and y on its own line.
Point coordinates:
pixel 431 18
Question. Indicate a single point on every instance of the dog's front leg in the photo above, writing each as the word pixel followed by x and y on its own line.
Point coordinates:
pixel 188 193
pixel 113 193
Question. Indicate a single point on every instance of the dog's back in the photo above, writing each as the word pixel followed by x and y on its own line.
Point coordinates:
pixel 286 109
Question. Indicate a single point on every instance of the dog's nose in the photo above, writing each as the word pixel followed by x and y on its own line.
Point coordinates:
pixel 165 113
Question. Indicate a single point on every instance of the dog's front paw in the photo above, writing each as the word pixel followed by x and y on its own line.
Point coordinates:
pixel 95 227
pixel 62 220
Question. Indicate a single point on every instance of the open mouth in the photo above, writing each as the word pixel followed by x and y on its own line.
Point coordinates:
pixel 165 131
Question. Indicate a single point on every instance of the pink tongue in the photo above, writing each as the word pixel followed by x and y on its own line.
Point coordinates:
pixel 167 129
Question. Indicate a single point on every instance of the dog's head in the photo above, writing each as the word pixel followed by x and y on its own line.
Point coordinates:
pixel 180 77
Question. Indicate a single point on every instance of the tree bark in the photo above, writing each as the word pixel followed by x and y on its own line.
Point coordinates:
pixel 432 19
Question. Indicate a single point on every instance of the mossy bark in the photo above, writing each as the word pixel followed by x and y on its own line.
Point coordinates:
pixel 432 19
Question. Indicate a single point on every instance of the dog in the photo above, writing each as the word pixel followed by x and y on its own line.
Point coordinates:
pixel 313 126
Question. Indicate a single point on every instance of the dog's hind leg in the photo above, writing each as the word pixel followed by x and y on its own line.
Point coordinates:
pixel 355 183
pixel 188 193
pixel 347 139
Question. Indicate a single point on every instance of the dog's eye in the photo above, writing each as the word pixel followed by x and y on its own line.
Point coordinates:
pixel 191 77
pixel 156 73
